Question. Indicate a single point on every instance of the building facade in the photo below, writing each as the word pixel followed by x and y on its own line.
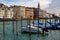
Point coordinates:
pixel 9 12
pixel 21 11
pixel 18 11
pixel 38 13
pixel 2 10
pixel 29 13
pixel 5 11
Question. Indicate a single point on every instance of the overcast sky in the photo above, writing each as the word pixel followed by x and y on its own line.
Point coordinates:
pixel 49 5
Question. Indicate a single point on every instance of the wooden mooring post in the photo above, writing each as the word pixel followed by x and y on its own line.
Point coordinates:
pixel 45 24
pixel 27 21
pixel 55 23
pixel 16 28
pixel 29 26
pixel 38 24
pixel 3 26
pixel 16 24
pixel 13 26
pixel 21 23
pixel 44 29
pixel 50 23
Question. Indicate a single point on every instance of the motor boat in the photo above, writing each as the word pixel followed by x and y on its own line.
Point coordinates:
pixel 31 29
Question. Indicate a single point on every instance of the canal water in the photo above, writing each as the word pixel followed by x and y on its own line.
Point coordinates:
pixel 10 35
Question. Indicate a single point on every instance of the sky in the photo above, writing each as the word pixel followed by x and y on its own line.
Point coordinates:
pixel 54 7
pixel 51 6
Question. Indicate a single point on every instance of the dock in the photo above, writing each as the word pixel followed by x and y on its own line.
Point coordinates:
pixel 9 19
pixel 53 24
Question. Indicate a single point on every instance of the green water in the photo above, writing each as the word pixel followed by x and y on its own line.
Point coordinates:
pixel 10 35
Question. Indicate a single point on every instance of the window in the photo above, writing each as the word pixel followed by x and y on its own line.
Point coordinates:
pixel 31 13
pixel 2 8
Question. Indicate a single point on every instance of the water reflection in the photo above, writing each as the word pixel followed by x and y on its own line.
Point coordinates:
pixel 27 36
pixel 9 35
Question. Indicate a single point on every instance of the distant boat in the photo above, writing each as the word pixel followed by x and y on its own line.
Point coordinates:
pixel 48 25
pixel 42 26
pixel 32 29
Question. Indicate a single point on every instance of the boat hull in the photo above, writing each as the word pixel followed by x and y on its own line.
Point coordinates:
pixel 31 30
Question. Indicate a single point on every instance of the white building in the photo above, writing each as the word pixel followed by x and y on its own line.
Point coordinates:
pixel 5 11
pixel 2 10
pixel 9 13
